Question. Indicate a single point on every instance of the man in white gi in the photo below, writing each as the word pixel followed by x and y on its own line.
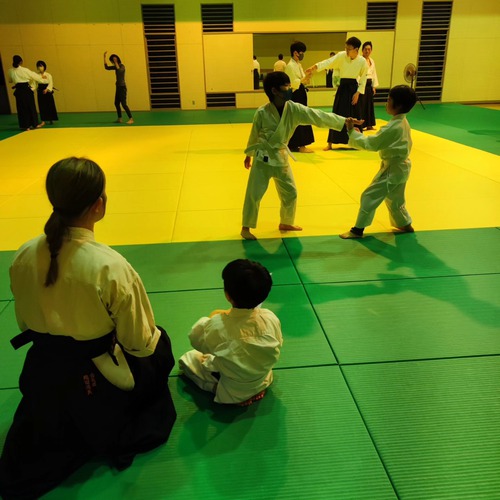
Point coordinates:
pixel 351 67
pixel 393 142
pixel 303 134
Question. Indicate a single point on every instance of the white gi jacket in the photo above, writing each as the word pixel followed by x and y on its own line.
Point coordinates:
pixel 347 68
pixel 393 142
pixel 97 291
pixel 243 346
pixel 270 133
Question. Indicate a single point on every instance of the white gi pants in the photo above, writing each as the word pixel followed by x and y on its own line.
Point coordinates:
pixel 192 364
pixel 388 185
pixel 258 182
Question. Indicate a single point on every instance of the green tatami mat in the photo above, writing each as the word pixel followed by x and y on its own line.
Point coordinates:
pixel 436 425
pixel 191 266
pixel 304 341
pixel 11 361
pixel 9 125
pixel 323 259
pixel 304 440
pixel 5 261
pixel 410 319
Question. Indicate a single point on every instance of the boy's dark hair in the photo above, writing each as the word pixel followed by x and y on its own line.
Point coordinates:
pixel 354 42
pixel 117 58
pixel 280 56
pixel 274 80
pixel 248 283
pixel 403 98
pixel 297 46
pixel 365 44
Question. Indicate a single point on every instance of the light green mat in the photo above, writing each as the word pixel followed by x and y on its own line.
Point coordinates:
pixel 436 425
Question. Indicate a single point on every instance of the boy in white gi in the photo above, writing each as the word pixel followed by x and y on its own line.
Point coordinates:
pixel 235 350
pixel 393 142
pixel 273 125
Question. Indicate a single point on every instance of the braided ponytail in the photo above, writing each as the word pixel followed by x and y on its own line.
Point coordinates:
pixel 73 185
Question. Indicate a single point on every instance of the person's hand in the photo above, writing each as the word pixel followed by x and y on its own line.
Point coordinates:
pixel 374 90
pixel 355 98
pixel 306 80
pixel 45 91
pixel 247 162
pixel 311 70
pixel 105 53
pixel 350 122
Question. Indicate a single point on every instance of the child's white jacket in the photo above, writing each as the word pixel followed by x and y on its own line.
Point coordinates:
pixel 270 133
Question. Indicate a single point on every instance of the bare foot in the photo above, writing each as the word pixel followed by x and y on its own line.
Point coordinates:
pixel 350 236
pixel 328 147
pixel 40 125
pixel 304 149
pixel 246 234
pixel 289 227
pixel 119 120
pixel 130 121
pixel 252 400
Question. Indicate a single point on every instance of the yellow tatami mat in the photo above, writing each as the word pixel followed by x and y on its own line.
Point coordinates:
pixel 187 183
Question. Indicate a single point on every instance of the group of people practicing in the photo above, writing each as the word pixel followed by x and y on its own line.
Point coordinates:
pixel 355 78
pixel 27 83
pixel 286 119
pixel 94 383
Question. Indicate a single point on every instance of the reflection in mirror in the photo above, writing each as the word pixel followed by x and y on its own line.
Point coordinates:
pixel 267 46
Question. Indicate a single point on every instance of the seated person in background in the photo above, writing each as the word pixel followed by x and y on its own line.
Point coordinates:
pixel 95 381
pixel 235 350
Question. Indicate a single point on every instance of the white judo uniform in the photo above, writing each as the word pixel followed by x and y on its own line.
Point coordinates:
pixel 240 347
pixel 393 142
pixel 268 146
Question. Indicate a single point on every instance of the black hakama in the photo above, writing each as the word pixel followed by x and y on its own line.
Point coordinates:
pixel 256 79
pixel 367 107
pixel 69 413
pixel 303 134
pixel 342 106
pixel 25 103
pixel 46 104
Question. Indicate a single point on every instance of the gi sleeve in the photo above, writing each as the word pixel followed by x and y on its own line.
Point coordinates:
pixel 310 116
pixel 381 140
pixel 132 314
pixel 254 134
pixel 198 335
pixel 330 63
pixel 362 77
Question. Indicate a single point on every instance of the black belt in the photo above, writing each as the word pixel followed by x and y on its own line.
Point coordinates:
pixel 59 345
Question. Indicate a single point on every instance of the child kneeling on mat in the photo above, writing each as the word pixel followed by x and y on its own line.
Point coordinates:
pixel 235 350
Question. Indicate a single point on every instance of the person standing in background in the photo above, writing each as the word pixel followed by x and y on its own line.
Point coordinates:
pixel 352 71
pixel 22 79
pixel 367 107
pixel 280 65
pixel 256 73
pixel 45 93
pixel 303 134
pixel 329 74
pixel 121 86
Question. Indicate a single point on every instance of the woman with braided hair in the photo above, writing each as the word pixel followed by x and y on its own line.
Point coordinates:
pixel 95 381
